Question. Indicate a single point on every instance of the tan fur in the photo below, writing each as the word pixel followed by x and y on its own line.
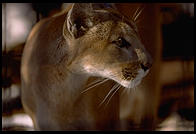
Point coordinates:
pixel 64 53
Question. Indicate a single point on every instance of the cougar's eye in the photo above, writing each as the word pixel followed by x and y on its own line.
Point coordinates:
pixel 121 42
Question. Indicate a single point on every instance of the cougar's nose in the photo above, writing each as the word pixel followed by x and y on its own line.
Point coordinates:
pixel 146 66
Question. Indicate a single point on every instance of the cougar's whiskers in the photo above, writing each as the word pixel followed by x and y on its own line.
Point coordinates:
pixel 113 88
pixel 94 84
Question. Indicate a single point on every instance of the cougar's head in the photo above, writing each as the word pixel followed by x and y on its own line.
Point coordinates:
pixel 104 43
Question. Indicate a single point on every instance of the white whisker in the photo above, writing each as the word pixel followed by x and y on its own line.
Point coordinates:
pixel 138 14
pixel 113 88
pixel 113 94
pixel 135 13
pixel 96 83
pixel 129 90
pixel 124 90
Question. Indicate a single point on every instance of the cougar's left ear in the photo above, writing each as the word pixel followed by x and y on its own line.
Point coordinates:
pixel 79 19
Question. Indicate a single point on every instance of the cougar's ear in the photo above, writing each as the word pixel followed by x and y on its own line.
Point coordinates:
pixel 79 19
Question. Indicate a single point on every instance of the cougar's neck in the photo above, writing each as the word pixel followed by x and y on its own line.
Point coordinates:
pixel 75 83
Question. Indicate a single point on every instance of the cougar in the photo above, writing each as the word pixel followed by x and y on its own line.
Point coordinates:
pixel 64 53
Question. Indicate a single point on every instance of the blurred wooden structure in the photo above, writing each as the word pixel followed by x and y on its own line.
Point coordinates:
pixel 139 109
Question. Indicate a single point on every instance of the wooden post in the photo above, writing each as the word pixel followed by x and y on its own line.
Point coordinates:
pixel 139 109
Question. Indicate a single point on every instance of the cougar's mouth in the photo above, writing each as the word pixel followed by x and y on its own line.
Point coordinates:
pixel 126 78
pixel 133 79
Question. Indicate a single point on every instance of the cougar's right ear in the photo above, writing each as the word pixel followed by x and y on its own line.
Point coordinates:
pixel 79 19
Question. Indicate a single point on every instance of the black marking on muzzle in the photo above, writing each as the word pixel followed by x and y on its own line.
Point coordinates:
pixel 128 74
